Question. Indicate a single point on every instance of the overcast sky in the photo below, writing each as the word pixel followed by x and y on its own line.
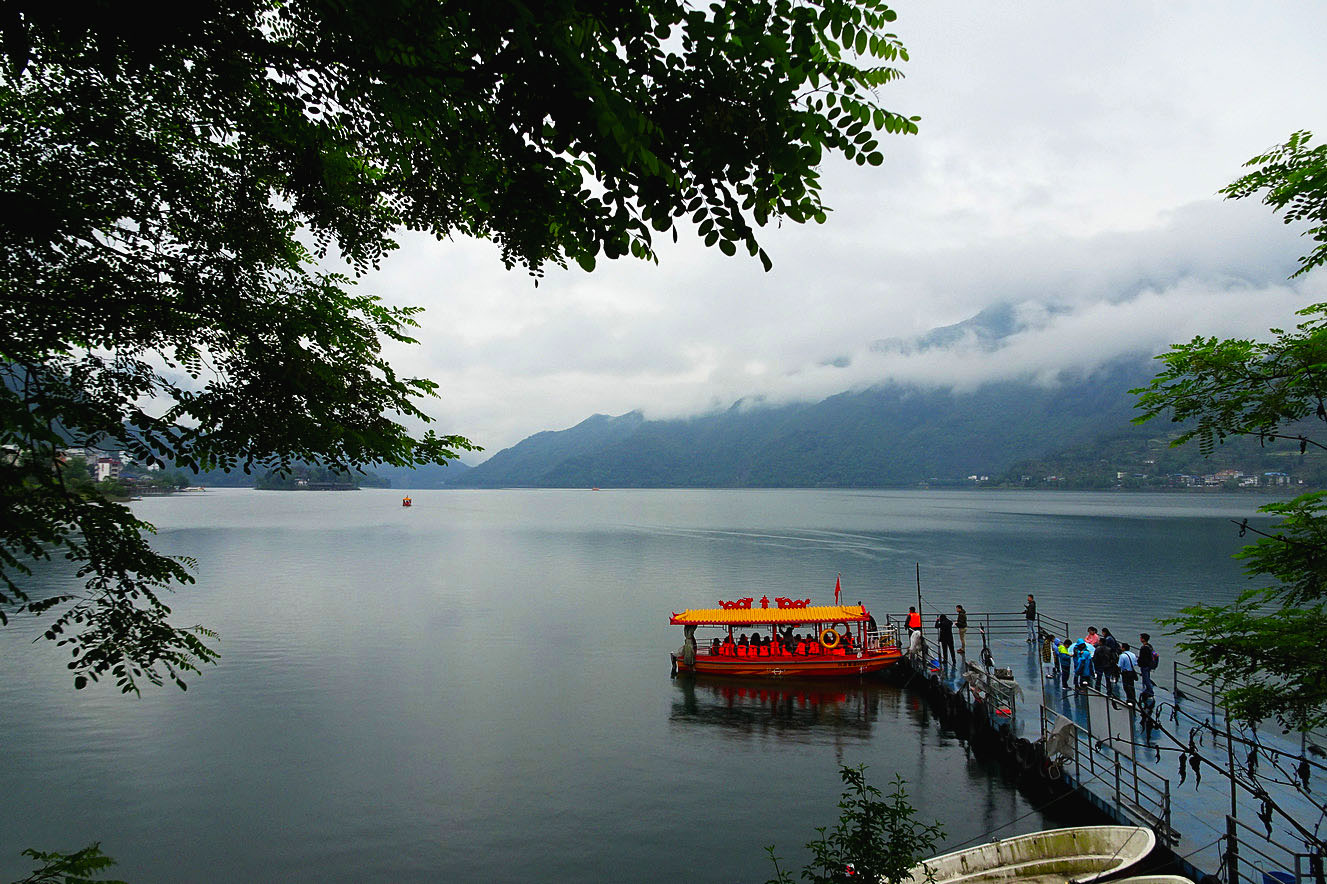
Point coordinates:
pixel 1069 157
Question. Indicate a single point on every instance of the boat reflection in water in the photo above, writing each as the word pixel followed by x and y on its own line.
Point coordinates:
pixel 782 705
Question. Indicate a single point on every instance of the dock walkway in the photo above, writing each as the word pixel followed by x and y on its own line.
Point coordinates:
pixel 1141 771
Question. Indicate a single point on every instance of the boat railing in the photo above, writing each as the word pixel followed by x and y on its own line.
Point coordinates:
pixel 773 651
pixel 884 637
pixel 995 624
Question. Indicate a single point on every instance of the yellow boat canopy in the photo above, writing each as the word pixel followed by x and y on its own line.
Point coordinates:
pixel 757 615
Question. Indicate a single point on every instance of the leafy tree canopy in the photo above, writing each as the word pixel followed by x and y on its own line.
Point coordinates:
pixel 1265 649
pixel 168 183
pixel 1293 177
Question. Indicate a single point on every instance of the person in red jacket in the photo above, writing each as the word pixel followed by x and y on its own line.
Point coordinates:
pixel 914 621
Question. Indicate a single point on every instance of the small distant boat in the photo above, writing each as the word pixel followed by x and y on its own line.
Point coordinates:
pixel 405 501
pixel 1054 856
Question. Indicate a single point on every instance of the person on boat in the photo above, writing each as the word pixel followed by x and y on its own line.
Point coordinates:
pixel 914 623
pixel 1030 616
pixel 961 621
pixel 789 639
pixel 716 648
pixel 945 630
pixel 689 647
pixel 729 646
pixel 845 642
pixel 1128 664
pixel 744 646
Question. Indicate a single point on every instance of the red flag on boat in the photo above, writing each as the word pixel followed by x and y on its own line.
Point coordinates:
pixel 838 585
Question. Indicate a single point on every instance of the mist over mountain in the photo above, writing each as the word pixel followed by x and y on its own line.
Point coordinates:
pixel 891 434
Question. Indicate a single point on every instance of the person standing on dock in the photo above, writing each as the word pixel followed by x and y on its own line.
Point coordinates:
pixel 1048 655
pixel 1104 662
pixel 1147 660
pixel 945 628
pixel 1083 673
pixel 1128 672
pixel 1064 657
pixel 961 621
pixel 1030 615
pixel 914 621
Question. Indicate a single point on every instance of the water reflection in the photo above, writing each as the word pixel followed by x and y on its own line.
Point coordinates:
pixel 757 706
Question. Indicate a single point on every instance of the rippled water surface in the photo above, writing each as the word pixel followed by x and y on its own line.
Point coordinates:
pixel 477 688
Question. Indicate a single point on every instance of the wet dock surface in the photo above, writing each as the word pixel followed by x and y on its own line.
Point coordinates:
pixel 1138 768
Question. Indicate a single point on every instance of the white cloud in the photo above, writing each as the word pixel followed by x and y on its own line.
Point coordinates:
pixel 1069 156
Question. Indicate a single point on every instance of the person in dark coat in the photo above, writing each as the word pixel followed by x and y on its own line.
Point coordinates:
pixel 1147 661
pixel 945 628
pixel 1105 660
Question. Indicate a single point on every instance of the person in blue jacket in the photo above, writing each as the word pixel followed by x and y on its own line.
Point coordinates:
pixel 1083 671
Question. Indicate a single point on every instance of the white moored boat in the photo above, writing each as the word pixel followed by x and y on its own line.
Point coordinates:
pixel 1054 856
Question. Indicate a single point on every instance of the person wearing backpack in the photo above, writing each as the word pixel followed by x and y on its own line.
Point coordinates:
pixel 1104 661
pixel 1148 659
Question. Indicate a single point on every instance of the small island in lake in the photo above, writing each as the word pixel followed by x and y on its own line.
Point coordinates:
pixel 305 477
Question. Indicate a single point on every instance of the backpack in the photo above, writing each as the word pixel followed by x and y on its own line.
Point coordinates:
pixel 1105 657
pixel 1149 659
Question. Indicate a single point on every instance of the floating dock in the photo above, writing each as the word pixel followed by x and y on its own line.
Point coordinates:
pixel 1135 764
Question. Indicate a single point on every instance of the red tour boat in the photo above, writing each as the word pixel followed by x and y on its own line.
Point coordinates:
pixel 789 639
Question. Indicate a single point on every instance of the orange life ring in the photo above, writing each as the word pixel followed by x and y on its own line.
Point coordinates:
pixel 829 639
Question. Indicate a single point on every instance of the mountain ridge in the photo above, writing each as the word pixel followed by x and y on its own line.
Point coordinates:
pixel 891 435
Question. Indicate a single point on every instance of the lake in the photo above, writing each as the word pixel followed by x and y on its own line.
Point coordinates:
pixel 477 688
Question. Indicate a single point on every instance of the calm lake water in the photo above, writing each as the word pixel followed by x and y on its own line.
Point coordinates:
pixel 477 688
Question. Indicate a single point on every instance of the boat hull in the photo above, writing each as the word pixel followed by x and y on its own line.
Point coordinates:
pixel 793 667
pixel 1080 854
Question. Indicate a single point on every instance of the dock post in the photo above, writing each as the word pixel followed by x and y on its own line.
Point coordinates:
pixel 1133 763
pixel 1078 767
pixel 1230 762
pixel 1119 802
pixel 1232 852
